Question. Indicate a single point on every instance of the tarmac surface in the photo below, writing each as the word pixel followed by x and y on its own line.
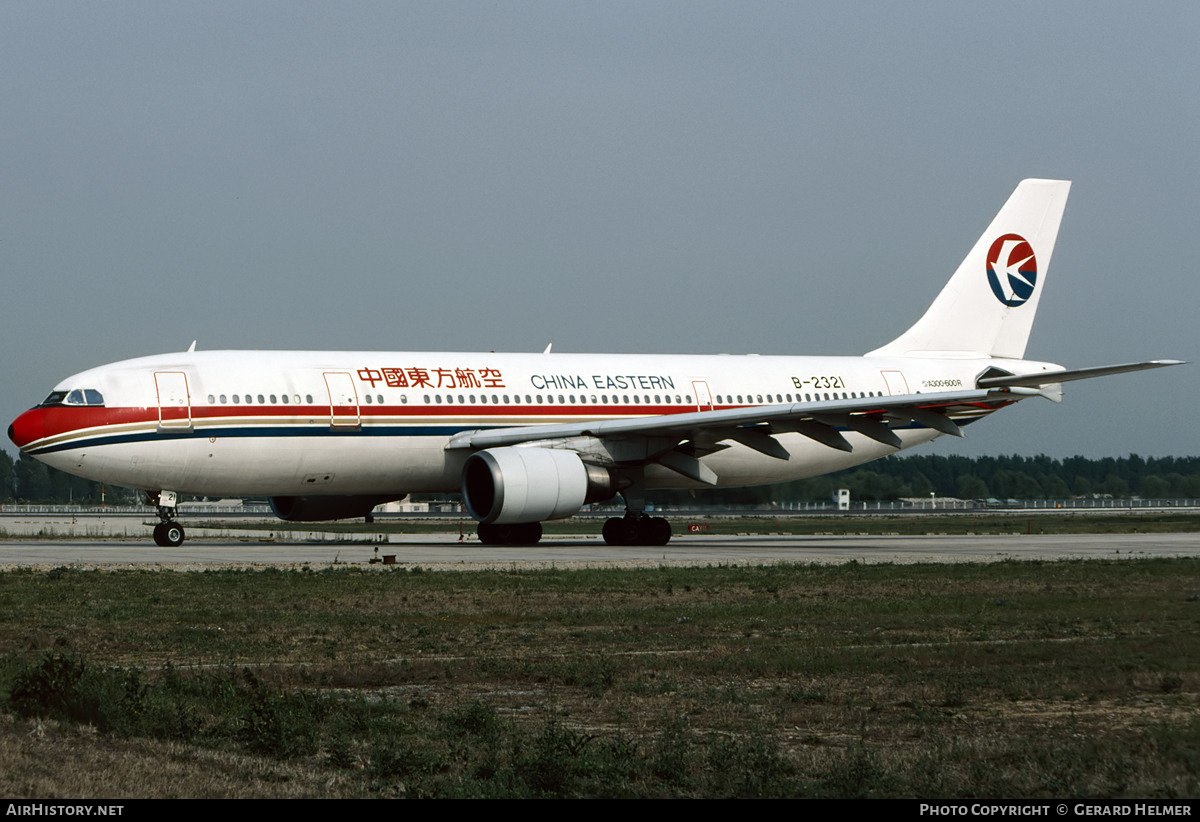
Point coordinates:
pixel 435 552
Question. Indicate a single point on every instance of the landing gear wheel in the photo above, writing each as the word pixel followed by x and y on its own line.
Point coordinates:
pixel 656 531
pixel 168 534
pixel 530 533
pixel 633 530
pixel 520 533
pixel 621 531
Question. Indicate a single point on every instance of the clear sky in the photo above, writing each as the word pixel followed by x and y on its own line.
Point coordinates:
pixel 677 177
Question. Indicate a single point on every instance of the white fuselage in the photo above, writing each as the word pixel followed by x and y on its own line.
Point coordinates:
pixel 245 423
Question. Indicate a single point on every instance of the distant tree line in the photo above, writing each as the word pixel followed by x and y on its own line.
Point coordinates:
pixel 977 478
pixel 1009 477
pixel 27 480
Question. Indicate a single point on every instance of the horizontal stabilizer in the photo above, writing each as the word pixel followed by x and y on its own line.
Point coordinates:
pixel 1052 377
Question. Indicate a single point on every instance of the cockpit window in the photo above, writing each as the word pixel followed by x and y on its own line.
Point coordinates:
pixel 78 396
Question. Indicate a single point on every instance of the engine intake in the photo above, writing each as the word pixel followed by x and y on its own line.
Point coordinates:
pixel 524 484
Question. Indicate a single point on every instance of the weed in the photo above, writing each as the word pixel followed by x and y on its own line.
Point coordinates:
pixel 280 724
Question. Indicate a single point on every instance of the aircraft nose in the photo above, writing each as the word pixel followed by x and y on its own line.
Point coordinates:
pixel 27 428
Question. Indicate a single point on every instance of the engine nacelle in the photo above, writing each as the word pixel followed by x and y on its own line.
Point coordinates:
pixel 319 509
pixel 511 485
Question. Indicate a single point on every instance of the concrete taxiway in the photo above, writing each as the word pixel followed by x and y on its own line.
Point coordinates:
pixel 446 552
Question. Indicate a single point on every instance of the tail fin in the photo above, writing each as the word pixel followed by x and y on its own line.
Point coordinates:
pixel 987 308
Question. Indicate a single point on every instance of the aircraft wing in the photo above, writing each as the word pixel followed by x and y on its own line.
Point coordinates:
pixel 782 417
pixel 678 440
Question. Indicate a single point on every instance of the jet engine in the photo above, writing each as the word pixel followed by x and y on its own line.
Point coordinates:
pixel 319 509
pixel 526 484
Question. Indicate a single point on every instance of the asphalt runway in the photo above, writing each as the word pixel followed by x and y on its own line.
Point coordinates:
pixel 446 552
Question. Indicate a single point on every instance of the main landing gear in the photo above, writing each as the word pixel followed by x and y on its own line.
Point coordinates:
pixel 637 529
pixel 522 533
pixel 168 533
pixel 631 529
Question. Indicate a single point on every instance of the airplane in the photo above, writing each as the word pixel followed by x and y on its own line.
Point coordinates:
pixel 528 437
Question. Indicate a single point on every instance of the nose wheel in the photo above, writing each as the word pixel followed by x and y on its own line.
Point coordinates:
pixel 168 534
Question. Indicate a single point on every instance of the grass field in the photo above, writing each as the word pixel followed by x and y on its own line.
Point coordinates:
pixel 968 680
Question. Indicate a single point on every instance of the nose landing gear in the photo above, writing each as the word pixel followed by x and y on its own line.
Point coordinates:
pixel 168 533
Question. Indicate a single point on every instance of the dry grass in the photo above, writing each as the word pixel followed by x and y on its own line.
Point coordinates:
pixel 1012 679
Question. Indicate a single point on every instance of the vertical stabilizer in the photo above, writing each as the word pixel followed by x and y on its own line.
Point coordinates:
pixel 988 306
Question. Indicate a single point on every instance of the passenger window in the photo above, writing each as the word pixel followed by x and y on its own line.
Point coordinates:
pixel 261 401
pixel 284 397
pixel 236 399
pixel 211 399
